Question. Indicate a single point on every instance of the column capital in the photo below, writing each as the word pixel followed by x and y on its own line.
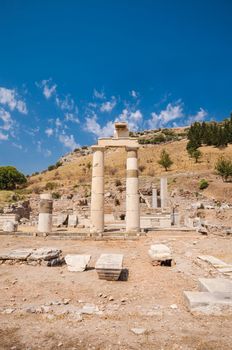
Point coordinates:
pixel 98 148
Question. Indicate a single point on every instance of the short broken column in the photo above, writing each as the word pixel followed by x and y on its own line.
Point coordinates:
pixel 164 192
pixel 45 213
pixel 97 191
pixel 154 198
pixel 109 266
pixel 132 194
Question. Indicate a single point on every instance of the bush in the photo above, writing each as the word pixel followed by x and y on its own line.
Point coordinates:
pixel 118 183
pixel 56 195
pixel 224 168
pixel 51 167
pixel 203 184
pixel 10 178
pixel 50 186
pixel 141 168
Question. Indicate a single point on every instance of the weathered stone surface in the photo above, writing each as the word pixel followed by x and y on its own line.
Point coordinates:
pixel 209 303
pixel 59 220
pixel 109 266
pixel 159 252
pixel 45 253
pixel 72 220
pixel 217 263
pixel 10 226
pixel 77 262
pixel 18 254
pixel 214 285
pixel 138 331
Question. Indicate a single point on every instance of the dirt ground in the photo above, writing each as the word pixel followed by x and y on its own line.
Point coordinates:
pixel 145 300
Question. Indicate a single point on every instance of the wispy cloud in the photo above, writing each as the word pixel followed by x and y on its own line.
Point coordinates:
pixel 68 141
pixel 66 103
pixel 134 94
pixel 133 118
pixel 3 137
pixel 173 115
pixel 10 98
pixel 49 132
pixel 70 117
pixel 99 94
pixel 108 106
pixel 48 87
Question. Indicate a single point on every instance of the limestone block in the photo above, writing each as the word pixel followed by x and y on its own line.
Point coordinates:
pixel 209 303
pixel 214 285
pixel 98 184
pixel 10 226
pixel 59 220
pixel 45 253
pixel 132 185
pixel 159 252
pixel 72 220
pixel 77 262
pixel 97 202
pixel 132 163
pixel 17 254
pixel 109 266
pixel 165 222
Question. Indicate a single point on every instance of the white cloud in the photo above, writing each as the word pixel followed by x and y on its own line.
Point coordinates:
pixel 198 117
pixel 49 88
pixel 94 127
pixel 68 141
pixel 174 114
pixel 133 119
pixel 10 98
pixel 46 152
pixel 3 137
pixel 170 113
pixel 6 119
pixel 99 94
pixel 17 145
pixel 49 132
pixel 108 106
pixel 70 117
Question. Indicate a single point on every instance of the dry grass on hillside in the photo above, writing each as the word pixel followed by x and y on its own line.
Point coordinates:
pixel 77 172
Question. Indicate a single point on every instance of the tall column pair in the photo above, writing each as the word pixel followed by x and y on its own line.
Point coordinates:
pixel 97 195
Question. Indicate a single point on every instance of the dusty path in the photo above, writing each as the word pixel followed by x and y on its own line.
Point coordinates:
pixel 145 300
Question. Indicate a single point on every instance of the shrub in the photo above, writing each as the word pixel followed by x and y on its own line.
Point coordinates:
pixel 51 167
pixel 224 168
pixel 141 168
pixel 10 178
pixel 118 183
pixel 50 186
pixel 116 202
pixel 56 195
pixel 203 184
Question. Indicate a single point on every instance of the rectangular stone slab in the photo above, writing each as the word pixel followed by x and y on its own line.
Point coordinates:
pixel 77 262
pixel 45 253
pixel 109 266
pixel 217 263
pixel 209 303
pixel 215 285
pixel 17 254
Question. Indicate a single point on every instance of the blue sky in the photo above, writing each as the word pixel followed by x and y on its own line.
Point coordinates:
pixel 69 69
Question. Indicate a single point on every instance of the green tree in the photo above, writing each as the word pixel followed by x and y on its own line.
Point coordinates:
pixel 165 160
pixel 224 168
pixel 195 153
pixel 10 177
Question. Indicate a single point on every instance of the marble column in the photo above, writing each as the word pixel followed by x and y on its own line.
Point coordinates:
pixel 154 198
pixel 164 192
pixel 132 194
pixel 45 213
pixel 97 191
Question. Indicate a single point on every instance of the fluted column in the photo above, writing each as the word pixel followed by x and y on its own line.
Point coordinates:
pixel 132 194
pixel 164 192
pixel 97 192
pixel 45 213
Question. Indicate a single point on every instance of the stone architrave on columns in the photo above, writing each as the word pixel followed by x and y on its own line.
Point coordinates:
pixel 154 198
pixel 97 191
pixel 164 192
pixel 45 213
pixel 132 194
